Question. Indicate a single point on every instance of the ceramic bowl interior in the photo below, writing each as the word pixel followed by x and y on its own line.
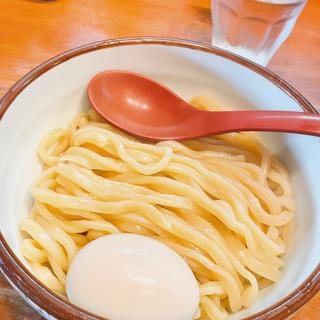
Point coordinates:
pixel 54 97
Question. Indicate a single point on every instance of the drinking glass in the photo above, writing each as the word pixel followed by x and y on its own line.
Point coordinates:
pixel 254 29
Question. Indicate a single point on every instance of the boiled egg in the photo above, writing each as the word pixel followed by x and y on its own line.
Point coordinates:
pixel 132 277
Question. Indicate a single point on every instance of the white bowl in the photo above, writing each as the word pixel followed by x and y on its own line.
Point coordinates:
pixel 54 92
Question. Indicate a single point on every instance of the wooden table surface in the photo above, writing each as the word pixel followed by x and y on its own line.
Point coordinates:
pixel 32 31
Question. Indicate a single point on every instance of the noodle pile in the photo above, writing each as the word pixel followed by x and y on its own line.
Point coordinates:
pixel 224 203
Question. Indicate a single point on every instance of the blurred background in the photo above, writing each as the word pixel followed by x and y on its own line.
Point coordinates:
pixel 33 31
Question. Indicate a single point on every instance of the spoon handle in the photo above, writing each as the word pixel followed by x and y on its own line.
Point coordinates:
pixel 276 121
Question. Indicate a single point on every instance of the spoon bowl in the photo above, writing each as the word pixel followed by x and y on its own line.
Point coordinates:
pixel 148 109
pixel 135 103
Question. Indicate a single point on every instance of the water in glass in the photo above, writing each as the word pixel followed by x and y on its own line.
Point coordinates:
pixel 254 29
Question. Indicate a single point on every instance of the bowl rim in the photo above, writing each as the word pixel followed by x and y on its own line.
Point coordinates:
pixel 51 304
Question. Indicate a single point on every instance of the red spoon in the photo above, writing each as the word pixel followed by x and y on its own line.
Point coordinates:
pixel 148 109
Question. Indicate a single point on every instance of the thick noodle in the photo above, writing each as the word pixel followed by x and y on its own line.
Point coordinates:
pixel 223 203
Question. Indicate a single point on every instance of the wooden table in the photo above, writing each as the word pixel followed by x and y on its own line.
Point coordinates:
pixel 33 31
